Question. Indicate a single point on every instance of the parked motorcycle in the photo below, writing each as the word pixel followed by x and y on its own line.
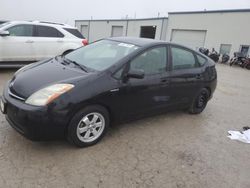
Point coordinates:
pixel 225 58
pixel 238 59
pixel 246 63
pixel 214 55
pixel 204 51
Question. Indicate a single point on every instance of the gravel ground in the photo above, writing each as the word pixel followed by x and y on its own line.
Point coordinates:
pixel 170 150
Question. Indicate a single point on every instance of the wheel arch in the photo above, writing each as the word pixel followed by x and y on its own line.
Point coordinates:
pixel 82 106
pixel 67 51
pixel 68 46
pixel 209 90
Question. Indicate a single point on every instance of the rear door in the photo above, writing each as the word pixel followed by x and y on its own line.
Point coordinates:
pixel 18 46
pixel 187 74
pixel 47 42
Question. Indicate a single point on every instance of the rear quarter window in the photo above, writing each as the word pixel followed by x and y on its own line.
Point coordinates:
pixel 74 32
pixel 182 58
pixel 201 60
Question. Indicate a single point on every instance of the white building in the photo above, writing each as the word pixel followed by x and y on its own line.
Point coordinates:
pixel 225 30
pixel 150 28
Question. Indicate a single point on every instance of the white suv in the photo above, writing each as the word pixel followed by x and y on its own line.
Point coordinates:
pixel 22 42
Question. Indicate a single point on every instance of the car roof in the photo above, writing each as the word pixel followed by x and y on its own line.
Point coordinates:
pixel 43 23
pixel 137 41
pixel 145 42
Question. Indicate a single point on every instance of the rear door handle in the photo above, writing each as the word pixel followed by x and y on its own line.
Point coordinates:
pixel 114 90
pixel 59 40
pixel 198 76
pixel 29 41
pixel 165 80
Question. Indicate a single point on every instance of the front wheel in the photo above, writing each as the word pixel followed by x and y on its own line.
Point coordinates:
pixel 200 102
pixel 88 126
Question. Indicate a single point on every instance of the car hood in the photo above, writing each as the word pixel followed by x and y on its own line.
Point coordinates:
pixel 42 74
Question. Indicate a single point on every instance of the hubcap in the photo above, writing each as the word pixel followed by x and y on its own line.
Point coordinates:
pixel 201 101
pixel 90 127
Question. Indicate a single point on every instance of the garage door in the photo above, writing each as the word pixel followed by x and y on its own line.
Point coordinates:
pixel 191 38
pixel 117 31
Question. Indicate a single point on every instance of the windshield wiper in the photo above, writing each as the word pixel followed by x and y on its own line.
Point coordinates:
pixel 75 63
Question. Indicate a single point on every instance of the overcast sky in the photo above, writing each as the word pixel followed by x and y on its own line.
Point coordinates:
pixel 68 11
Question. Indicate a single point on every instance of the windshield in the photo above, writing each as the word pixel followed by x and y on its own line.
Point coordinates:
pixel 102 54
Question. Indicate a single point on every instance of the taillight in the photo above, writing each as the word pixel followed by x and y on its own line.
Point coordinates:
pixel 85 42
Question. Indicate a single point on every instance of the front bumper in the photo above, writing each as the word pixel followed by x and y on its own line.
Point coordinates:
pixel 35 123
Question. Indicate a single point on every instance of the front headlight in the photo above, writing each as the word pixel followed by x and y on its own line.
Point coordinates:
pixel 48 94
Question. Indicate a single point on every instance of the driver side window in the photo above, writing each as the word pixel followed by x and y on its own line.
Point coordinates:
pixel 21 31
pixel 152 61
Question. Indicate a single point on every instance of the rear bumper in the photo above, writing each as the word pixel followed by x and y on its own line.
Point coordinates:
pixel 35 123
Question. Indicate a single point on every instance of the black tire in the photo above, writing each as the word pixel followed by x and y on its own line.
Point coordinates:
pixel 73 134
pixel 200 102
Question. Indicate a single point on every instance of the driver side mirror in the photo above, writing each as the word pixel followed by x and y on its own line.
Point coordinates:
pixel 137 74
pixel 4 33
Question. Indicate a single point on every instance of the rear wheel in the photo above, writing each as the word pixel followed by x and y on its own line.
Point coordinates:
pixel 199 102
pixel 88 126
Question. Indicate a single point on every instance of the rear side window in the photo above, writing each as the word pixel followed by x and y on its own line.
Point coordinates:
pixel 182 59
pixel 201 60
pixel 75 32
pixel 46 31
pixel 21 30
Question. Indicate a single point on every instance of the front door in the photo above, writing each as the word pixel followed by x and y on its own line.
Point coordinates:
pixel 18 46
pixel 138 96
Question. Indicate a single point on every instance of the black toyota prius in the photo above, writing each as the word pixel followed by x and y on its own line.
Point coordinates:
pixel 78 96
